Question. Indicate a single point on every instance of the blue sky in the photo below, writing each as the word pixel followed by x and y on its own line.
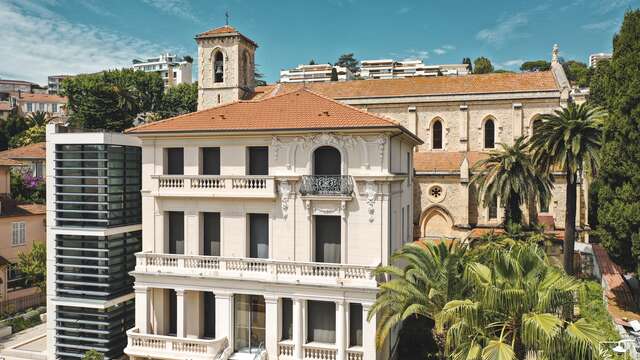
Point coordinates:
pixel 43 37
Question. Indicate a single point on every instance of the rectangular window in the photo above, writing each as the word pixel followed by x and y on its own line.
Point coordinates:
pixel 287 319
pixel 493 209
pixel 211 161
pixel 321 322
pixel 544 205
pixel 18 236
pixel 176 232
pixel 29 107
pixel 15 279
pixel 175 161
pixel 173 312
pixel 327 239
pixel 41 107
pixel 209 315
pixel 54 108
pixel 258 163
pixel 259 236
pixel 402 234
pixel 355 325
pixel 211 233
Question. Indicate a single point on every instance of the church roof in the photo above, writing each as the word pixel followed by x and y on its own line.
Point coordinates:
pixel 226 30
pixel 422 85
pixel 301 109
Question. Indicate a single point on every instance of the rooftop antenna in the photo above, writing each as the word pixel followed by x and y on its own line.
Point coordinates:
pixel 226 16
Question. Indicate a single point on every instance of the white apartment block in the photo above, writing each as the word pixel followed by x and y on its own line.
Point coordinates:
pixel 263 222
pixel 393 69
pixel 314 73
pixel 594 58
pixel 173 69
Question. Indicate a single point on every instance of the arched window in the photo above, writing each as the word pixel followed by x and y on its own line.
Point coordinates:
pixel 246 67
pixel 489 134
pixel 218 67
pixel 493 209
pixel 536 125
pixel 437 135
pixel 326 161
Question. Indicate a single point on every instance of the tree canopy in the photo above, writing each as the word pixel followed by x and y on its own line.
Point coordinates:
pixel 178 100
pixel 33 265
pixel 616 85
pixel 468 62
pixel 577 73
pixel 536 65
pixel 482 65
pixel 112 99
pixel 349 61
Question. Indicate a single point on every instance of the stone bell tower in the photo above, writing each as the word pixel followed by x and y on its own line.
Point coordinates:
pixel 226 67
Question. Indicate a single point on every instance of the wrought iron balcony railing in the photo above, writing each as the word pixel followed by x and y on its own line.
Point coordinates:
pixel 337 185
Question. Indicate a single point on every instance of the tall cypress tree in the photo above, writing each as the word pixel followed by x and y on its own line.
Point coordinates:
pixel 617 87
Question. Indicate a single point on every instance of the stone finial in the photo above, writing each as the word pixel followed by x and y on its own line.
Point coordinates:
pixel 554 53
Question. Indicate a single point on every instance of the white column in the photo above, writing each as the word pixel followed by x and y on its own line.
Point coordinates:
pixel 142 308
pixel 180 318
pixel 368 333
pixel 272 320
pixel 224 316
pixel 341 333
pixel 298 326
pixel 192 233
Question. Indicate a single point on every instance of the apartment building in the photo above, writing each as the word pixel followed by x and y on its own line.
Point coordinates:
pixel 594 58
pixel 393 69
pixel 54 83
pixel 315 73
pixel 93 231
pixel 263 222
pixel 27 103
pixel 31 158
pixel 173 69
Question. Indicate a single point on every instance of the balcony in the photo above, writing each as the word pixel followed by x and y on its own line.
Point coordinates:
pixel 278 271
pixel 250 186
pixel 171 347
pixel 326 185
pixel 316 351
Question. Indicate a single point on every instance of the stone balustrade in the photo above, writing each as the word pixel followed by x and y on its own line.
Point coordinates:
pixel 171 347
pixel 316 351
pixel 214 185
pixel 290 272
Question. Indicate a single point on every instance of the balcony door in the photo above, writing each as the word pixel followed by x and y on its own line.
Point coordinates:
pixel 210 161
pixel 211 233
pixel 259 236
pixel 175 161
pixel 327 239
pixel 327 161
pixel 249 326
pixel 258 160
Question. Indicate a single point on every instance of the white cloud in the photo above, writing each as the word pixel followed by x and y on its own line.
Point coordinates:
pixel 403 10
pixel 505 29
pixel 512 63
pixel 605 6
pixel 444 49
pixel 448 47
pixel 36 46
pixel 439 51
pixel 179 8
pixel 414 54
pixel 602 25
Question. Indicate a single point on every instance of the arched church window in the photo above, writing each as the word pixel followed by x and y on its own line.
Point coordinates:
pixel 536 125
pixel 489 134
pixel 246 68
pixel 437 135
pixel 218 67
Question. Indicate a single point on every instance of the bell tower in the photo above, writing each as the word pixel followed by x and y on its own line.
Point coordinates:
pixel 226 67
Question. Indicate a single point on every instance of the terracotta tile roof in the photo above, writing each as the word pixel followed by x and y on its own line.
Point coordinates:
pixel 223 30
pixel 444 160
pixel 479 232
pixel 437 85
pixel 298 110
pixel 620 301
pixel 5 106
pixel 33 151
pixel 25 210
pixel 40 98
pixel 9 162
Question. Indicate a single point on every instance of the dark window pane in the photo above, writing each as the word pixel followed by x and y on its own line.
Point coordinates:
pixel 258 160
pixel 321 326
pixel 493 209
pixel 176 232
pixel 173 312
pixel 175 161
pixel 328 234
pixel 211 236
pixel 209 315
pixel 355 325
pixel 326 161
pixel 211 161
pixel 437 135
pixel 489 134
pixel 287 319
pixel 259 236
pixel 218 67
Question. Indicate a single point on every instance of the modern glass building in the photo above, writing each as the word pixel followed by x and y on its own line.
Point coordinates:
pixel 94 231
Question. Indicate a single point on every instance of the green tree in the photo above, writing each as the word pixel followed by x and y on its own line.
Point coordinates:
pixel 616 85
pixel 33 265
pixel 510 175
pixel 178 100
pixel 92 355
pixel 334 74
pixel 569 140
pixel 468 62
pixel 32 135
pixel 514 308
pixel 258 77
pixel 577 73
pixel 536 65
pixel 349 61
pixel 430 277
pixel 482 65
pixel 112 99
pixel 10 127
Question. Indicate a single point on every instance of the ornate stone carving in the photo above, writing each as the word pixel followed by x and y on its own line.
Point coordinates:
pixel 284 188
pixel 371 192
pixel 381 141
pixel 276 145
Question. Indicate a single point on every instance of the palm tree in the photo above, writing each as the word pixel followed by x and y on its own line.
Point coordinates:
pixel 431 277
pixel 569 140
pixel 510 175
pixel 39 118
pixel 514 309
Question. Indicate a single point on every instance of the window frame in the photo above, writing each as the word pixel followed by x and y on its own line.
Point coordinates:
pixel 18 233
pixel 485 133
pixel 440 137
